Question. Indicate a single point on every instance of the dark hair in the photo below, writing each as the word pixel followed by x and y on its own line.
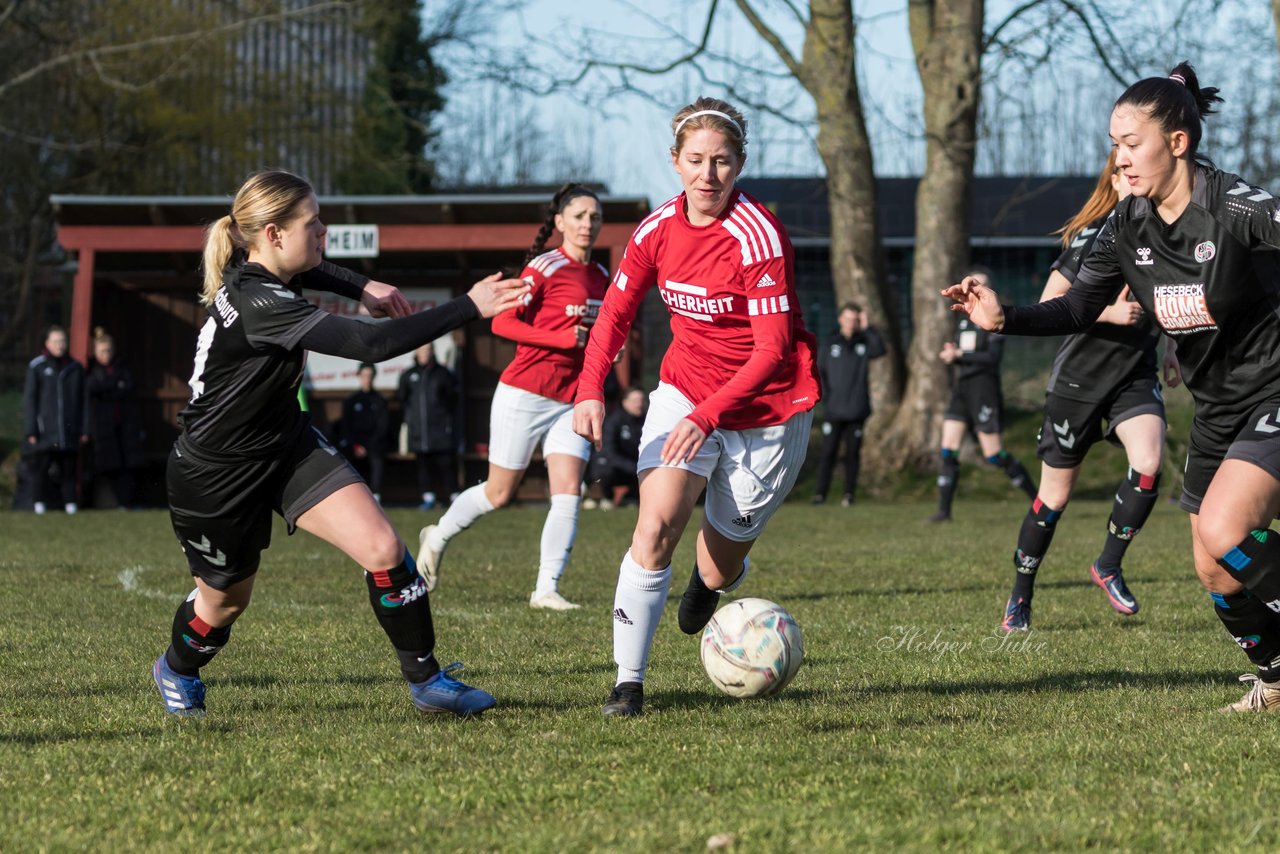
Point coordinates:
pixel 370 365
pixel 55 327
pixel 559 202
pixel 849 306
pixel 1174 103
pixel 1100 203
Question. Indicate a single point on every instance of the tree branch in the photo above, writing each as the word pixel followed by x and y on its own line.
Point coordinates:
pixel 96 54
pixel 1009 19
pixel 771 37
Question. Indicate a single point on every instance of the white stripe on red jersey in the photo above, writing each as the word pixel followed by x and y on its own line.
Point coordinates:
pixel 739 349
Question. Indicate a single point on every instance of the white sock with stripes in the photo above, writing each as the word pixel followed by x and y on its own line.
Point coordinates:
pixel 558 534
pixel 470 506
pixel 637 607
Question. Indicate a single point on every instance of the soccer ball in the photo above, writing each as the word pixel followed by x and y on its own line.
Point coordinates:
pixel 751 648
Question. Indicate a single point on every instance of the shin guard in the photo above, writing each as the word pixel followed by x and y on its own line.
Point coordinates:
pixel 193 643
pixel 1254 627
pixel 1033 543
pixel 948 474
pixel 1134 502
pixel 400 602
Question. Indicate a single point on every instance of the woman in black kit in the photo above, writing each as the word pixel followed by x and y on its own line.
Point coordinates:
pixel 1106 373
pixel 1184 243
pixel 246 448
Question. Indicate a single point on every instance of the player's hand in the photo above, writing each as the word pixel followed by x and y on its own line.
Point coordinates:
pixel 1169 365
pixel 581 333
pixel 950 352
pixel 383 300
pixel 683 443
pixel 493 294
pixel 588 422
pixel 1123 312
pixel 978 301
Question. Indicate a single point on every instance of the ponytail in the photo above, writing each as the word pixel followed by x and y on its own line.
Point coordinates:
pixel 559 202
pixel 1100 203
pixel 219 246
pixel 1176 102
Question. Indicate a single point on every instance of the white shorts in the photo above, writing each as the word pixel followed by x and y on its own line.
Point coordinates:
pixel 519 420
pixel 748 472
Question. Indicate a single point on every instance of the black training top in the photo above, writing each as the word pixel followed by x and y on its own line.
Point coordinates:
pixel 980 350
pixel 1200 279
pixel 1090 364
pixel 251 351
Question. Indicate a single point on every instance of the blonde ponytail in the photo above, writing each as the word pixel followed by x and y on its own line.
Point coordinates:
pixel 219 245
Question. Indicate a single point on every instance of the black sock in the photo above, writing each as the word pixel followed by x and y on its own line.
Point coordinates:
pixel 1015 471
pixel 1253 626
pixel 696 582
pixel 947 477
pixel 399 599
pixel 1033 543
pixel 193 642
pixel 1134 501
pixel 1255 563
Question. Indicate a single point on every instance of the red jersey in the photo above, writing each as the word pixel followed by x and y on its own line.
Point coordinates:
pixel 566 294
pixel 740 351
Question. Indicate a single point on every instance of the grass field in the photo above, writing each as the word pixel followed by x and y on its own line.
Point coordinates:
pixel 910 726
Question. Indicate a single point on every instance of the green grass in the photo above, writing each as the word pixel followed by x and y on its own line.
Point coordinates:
pixel 910 726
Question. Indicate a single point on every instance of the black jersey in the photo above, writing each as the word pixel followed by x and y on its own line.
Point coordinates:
pixel 1090 364
pixel 1200 278
pixel 244 389
pixel 980 350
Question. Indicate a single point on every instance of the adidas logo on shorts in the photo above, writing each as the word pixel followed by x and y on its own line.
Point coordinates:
pixel 743 521
pixel 621 616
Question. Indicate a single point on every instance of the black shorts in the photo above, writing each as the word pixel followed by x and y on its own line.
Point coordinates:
pixel 1254 438
pixel 1071 427
pixel 221 511
pixel 978 403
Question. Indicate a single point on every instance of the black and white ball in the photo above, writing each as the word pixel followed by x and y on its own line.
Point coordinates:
pixel 752 648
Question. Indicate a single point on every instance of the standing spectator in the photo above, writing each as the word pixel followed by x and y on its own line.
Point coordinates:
pixel 114 430
pixel 615 467
pixel 429 395
pixel 842 366
pixel 54 419
pixel 362 432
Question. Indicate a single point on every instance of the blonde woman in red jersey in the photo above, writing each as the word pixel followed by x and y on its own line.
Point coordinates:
pixel 534 399
pixel 732 412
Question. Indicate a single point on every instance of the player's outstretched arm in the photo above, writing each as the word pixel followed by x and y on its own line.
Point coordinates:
pixel 978 301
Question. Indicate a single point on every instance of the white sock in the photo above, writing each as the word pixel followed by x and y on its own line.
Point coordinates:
pixel 558 534
pixel 470 506
pixel 637 607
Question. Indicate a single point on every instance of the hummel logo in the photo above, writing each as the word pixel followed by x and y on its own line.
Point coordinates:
pixel 743 521
pixel 1144 257
pixel 766 281
pixel 1066 438
pixel 1264 426
pixel 621 616
pixel 206 548
pixel 1274 605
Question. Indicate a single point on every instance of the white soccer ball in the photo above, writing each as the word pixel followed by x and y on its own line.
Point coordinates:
pixel 751 648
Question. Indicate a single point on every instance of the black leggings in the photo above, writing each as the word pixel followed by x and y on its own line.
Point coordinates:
pixel 41 463
pixel 438 473
pixel 831 451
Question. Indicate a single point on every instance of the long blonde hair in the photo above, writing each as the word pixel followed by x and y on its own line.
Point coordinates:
pixel 266 197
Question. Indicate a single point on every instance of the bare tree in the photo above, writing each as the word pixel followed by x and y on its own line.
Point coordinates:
pixel 947 38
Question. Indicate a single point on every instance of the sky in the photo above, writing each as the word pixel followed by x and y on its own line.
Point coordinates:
pixel 623 138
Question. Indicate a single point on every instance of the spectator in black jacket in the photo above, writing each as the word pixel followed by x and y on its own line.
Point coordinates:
pixel 842 367
pixel 362 432
pixel 429 395
pixel 615 465
pixel 114 430
pixel 54 419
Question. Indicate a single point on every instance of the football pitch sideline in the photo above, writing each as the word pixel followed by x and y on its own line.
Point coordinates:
pixel 911 724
